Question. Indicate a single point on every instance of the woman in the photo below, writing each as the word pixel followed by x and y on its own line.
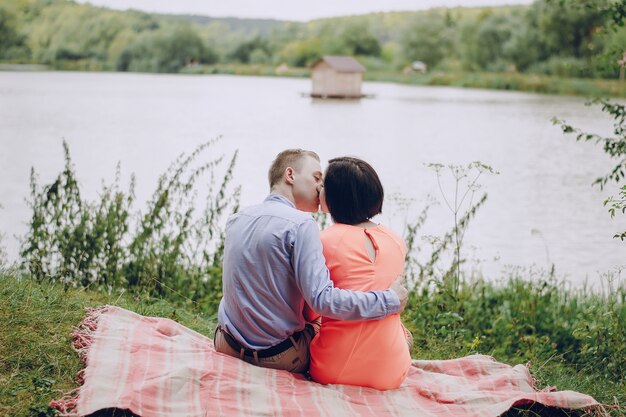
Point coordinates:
pixel 362 256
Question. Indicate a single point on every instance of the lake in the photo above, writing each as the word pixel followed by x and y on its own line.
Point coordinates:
pixel 541 208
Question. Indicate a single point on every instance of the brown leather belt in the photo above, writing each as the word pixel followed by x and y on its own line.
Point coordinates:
pixel 264 353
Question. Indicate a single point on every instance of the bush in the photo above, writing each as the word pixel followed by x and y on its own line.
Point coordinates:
pixel 530 316
pixel 165 51
pixel 563 67
pixel 301 53
pixel 169 251
pixel 249 51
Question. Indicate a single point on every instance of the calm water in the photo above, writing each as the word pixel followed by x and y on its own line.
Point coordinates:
pixel 541 207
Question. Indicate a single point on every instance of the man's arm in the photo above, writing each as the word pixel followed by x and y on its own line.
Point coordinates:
pixel 313 279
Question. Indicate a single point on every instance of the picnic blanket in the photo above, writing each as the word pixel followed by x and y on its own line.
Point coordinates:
pixel 156 367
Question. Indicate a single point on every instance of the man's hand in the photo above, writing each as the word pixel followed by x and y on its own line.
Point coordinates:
pixel 400 289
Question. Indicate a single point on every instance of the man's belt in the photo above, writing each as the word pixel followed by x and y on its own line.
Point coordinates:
pixel 264 353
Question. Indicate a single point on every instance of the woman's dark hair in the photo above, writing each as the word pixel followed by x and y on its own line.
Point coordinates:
pixel 353 190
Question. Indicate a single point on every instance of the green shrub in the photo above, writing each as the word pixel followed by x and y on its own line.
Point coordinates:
pixel 530 316
pixel 563 67
pixel 168 252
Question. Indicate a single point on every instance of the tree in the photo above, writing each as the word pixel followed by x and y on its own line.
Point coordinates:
pixel 358 40
pixel 165 51
pixel 75 33
pixel 568 30
pixel 554 28
pixel 301 53
pixel 180 47
pixel 427 39
pixel 486 42
pixel 10 37
pixel 614 47
pixel 245 49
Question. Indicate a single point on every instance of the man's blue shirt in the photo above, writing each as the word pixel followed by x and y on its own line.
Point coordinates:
pixel 273 264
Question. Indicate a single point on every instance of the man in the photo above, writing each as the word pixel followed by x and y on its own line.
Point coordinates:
pixel 274 267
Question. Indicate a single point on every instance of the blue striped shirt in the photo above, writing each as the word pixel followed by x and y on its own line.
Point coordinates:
pixel 273 264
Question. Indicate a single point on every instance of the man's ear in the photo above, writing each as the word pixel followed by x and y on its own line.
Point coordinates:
pixel 289 175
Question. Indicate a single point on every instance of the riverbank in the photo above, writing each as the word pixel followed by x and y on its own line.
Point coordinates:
pixel 36 320
pixel 541 84
pixel 532 83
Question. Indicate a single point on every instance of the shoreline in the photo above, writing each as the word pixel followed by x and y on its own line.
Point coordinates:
pixel 529 83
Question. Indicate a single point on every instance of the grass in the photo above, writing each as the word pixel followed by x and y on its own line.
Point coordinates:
pixel 36 322
pixel 542 84
pixel 511 81
pixel 38 364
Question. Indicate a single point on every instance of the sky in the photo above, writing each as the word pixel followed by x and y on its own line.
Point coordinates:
pixel 288 9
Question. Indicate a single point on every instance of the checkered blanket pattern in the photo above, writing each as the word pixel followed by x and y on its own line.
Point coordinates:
pixel 156 367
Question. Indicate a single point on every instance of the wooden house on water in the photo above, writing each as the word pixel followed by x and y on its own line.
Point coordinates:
pixel 337 77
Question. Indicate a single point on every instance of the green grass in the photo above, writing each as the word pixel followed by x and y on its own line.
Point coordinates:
pixel 38 363
pixel 574 339
pixel 542 84
pixel 36 320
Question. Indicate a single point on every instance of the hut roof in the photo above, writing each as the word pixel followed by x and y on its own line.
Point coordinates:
pixel 341 63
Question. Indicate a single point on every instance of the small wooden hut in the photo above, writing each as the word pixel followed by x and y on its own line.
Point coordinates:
pixel 337 77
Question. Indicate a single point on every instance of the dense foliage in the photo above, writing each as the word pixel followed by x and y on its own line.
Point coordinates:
pixel 548 37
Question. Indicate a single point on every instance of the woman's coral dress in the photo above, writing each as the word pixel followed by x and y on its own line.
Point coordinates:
pixel 367 353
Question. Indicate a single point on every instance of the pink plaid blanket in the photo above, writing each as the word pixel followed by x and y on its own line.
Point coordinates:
pixel 156 367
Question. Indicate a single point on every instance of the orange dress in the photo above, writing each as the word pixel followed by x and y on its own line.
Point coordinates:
pixel 366 353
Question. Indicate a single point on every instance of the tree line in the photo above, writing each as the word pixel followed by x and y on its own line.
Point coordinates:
pixel 550 37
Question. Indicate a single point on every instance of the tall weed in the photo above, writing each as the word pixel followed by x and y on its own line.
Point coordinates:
pixel 167 251
pixel 529 315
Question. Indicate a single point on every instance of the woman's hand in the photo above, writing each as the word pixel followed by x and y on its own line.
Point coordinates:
pixel 400 289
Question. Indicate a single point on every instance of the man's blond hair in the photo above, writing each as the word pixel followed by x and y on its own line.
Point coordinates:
pixel 287 158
